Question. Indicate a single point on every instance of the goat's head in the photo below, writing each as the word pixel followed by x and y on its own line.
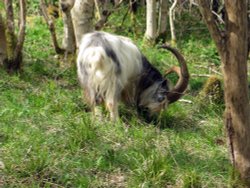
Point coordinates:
pixel 158 95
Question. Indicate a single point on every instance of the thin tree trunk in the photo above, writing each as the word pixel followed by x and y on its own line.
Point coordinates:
pixel 21 35
pixel 116 2
pixel 162 21
pixel 142 2
pixel 233 49
pixel 69 34
pixel 51 26
pixel 15 44
pixel 171 22
pixel 69 40
pixel 3 45
pixel 10 32
pixel 151 32
pixel 133 4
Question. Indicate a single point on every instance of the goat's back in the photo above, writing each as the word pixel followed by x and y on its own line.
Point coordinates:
pixel 107 63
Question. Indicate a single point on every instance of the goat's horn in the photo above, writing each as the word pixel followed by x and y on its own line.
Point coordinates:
pixel 174 69
pixel 181 71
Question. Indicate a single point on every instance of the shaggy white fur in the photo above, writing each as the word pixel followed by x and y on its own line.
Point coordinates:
pixel 106 77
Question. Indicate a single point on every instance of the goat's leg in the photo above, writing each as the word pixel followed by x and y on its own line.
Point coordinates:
pixel 90 96
pixel 112 106
pixel 112 103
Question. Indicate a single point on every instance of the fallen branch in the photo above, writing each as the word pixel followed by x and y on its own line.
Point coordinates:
pixel 209 69
pixel 201 75
pixel 186 101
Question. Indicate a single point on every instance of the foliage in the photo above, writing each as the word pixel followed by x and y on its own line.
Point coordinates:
pixel 1 6
pixel 48 138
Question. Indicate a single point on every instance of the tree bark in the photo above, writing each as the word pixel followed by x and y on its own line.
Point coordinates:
pixel 162 21
pixel 151 32
pixel 82 14
pixel 21 34
pixel 232 45
pixel 10 31
pixel 142 2
pixel 69 40
pixel 171 22
pixel 51 26
pixel 15 43
pixel 3 45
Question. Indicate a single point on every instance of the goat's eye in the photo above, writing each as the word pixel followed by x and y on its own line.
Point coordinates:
pixel 160 98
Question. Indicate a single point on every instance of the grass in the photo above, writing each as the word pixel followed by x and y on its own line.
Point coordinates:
pixel 48 138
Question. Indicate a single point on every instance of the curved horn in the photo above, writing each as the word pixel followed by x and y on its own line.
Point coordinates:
pixel 175 69
pixel 182 72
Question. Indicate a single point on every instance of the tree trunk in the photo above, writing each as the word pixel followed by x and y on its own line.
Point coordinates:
pixel 133 6
pixel 233 49
pixel 150 34
pixel 15 43
pixel 82 14
pixel 10 33
pixel 162 21
pixel 142 2
pixel 3 45
pixel 20 35
pixel 237 116
pixel 116 2
pixel 51 26
pixel 171 22
pixel 69 40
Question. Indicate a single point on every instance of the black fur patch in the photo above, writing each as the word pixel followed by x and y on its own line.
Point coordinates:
pixel 150 75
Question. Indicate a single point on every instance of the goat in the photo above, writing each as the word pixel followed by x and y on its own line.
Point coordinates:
pixel 111 68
